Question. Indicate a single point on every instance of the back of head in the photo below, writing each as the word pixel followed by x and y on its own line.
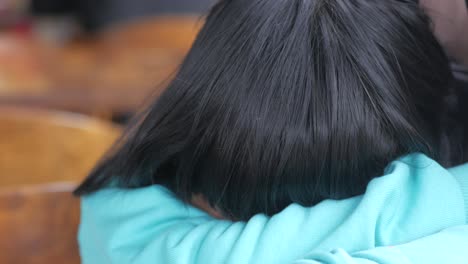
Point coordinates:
pixel 289 101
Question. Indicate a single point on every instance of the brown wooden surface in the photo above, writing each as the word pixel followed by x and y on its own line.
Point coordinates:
pixel 43 156
pixel 115 71
pixel 38 225
pixel 39 146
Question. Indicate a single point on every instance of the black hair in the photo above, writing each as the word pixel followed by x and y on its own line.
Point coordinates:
pixel 289 101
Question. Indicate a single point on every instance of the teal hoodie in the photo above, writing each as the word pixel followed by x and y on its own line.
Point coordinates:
pixel 447 246
pixel 415 199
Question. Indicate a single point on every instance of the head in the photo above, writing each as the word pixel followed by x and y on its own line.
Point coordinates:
pixel 289 101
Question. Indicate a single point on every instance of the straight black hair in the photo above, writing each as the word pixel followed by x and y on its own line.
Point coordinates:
pixel 289 101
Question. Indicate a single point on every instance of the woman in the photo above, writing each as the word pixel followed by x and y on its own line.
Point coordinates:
pixel 279 105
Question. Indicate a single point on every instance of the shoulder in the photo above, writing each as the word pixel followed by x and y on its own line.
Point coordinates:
pixel 461 174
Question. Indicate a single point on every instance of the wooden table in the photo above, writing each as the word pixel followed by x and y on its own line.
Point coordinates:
pixel 45 154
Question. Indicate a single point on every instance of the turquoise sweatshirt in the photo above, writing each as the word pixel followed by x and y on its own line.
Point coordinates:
pixel 448 246
pixel 406 208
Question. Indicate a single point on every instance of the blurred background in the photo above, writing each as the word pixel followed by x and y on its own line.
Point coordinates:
pixel 72 73
pixel 95 57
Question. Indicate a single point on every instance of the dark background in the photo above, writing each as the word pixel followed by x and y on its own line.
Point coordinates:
pixel 97 14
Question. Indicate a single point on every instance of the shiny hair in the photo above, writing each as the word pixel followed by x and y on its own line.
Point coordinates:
pixel 289 101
